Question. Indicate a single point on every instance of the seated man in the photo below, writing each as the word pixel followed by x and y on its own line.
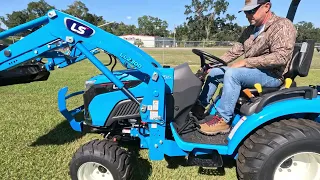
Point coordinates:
pixel 267 45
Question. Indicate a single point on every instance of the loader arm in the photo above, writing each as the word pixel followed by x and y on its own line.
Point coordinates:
pixel 59 30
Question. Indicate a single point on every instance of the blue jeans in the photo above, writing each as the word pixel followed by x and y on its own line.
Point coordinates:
pixel 233 79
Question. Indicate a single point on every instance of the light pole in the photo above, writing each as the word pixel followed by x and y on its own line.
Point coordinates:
pixel 174 36
pixel 163 47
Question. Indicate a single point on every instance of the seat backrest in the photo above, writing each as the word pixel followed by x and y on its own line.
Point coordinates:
pixel 301 60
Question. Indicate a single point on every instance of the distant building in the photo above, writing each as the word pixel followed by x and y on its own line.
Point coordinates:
pixel 149 41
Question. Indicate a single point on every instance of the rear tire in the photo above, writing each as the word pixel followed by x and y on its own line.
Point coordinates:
pixel 101 159
pixel 272 149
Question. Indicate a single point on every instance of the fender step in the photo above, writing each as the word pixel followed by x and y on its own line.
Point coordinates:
pixel 205 160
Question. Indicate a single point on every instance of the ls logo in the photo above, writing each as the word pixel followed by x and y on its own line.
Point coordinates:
pixel 78 28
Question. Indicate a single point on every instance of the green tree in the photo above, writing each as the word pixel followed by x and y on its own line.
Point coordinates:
pixel 202 13
pixel 81 11
pixel 120 29
pixel 182 32
pixel 306 30
pixel 138 42
pixel 33 11
pixel 15 18
pixel 77 9
pixel 152 26
pixel 224 29
pixel 94 19
pixel 38 9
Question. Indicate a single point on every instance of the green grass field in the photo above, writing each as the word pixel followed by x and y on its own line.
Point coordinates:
pixel 37 142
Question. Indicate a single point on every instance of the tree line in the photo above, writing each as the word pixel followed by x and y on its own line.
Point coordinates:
pixel 205 20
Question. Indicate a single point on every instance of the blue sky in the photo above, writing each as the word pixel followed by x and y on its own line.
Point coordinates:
pixel 172 11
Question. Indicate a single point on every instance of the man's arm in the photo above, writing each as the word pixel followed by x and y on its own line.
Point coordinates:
pixel 282 42
pixel 232 54
pixel 237 49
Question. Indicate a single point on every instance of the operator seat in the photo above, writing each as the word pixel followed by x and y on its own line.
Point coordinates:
pixel 299 65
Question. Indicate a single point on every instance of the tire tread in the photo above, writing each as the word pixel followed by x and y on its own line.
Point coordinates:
pixel 109 151
pixel 258 146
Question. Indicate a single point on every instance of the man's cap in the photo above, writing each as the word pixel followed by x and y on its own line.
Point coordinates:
pixel 251 4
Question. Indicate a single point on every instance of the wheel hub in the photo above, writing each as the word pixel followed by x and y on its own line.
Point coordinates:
pixel 93 171
pixel 288 163
pixel 304 166
pixel 102 169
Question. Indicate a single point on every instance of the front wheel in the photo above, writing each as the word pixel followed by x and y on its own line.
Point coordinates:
pixel 289 149
pixel 101 160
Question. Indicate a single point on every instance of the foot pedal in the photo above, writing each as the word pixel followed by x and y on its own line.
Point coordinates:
pixel 205 160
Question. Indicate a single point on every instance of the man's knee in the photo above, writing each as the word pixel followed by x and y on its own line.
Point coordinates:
pixel 214 72
pixel 231 73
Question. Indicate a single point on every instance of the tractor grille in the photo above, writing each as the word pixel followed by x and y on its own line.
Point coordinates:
pixel 127 108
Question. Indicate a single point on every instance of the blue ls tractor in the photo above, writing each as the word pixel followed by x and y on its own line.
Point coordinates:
pixel 275 131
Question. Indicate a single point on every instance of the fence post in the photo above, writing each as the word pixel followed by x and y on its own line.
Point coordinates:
pixel 163 52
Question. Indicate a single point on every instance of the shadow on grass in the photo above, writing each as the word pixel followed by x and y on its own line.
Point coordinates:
pixel 175 162
pixel 61 134
pixel 142 167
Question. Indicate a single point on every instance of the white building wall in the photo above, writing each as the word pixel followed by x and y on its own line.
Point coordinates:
pixel 148 41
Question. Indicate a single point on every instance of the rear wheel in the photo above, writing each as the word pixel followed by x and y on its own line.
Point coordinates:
pixel 289 149
pixel 101 160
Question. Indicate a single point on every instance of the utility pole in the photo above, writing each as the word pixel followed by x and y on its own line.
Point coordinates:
pixel 174 36
pixel 163 47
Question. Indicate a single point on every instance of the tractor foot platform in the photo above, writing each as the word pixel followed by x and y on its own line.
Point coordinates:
pixel 191 134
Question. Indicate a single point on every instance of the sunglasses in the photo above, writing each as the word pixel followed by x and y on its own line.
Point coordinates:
pixel 252 11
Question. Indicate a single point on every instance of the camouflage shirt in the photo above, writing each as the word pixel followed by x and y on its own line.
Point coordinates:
pixel 272 49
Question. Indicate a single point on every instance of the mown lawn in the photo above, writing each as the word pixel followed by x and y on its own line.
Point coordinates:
pixel 37 142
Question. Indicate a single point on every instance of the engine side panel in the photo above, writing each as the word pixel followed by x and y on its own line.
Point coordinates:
pixel 105 103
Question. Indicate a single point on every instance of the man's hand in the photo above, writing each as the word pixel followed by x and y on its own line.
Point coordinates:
pixel 238 64
pixel 201 74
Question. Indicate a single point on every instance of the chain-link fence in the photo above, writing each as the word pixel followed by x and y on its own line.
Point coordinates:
pixel 163 49
pixel 159 42
pixel 171 43
pixel 191 44
pixel 171 51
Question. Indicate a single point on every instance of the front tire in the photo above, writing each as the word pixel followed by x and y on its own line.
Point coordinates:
pixel 287 149
pixel 101 159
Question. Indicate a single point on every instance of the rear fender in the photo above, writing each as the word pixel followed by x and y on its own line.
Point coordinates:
pixel 248 124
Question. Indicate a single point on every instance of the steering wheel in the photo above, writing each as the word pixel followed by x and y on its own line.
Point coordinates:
pixel 215 62
pixel 207 56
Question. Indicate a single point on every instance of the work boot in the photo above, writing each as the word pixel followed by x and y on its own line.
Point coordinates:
pixel 215 126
